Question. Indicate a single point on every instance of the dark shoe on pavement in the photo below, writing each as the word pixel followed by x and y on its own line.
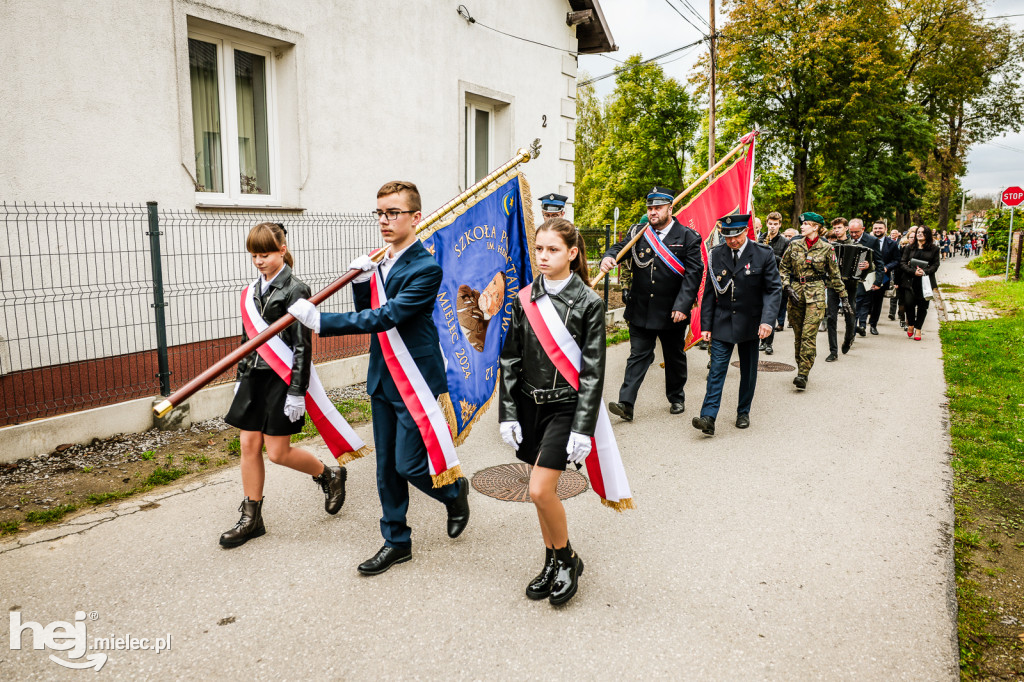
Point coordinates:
pixel 742 421
pixel 768 350
pixel 458 511
pixel 568 569
pixel 385 558
pixel 540 586
pixel 705 424
pixel 677 408
pixel 892 317
pixel 847 345
pixel 624 410
pixel 861 330
pixel 249 526
pixel 874 330
pixel 778 327
pixel 332 482
pixel 800 381
pixel 761 346
pixel 832 357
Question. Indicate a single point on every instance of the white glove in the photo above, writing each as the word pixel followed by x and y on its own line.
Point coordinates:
pixel 367 265
pixel 306 313
pixel 295 407
pixel 237 384
pixel 578 448
pixel 511 433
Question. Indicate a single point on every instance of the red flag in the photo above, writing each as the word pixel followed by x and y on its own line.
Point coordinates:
pixel 730 192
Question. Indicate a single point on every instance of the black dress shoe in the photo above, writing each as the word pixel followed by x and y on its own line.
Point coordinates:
pixel 768 350
pixel 332 482
pixel 847 345
pixel 800 381
pixel 862 331
pixel 832 357
pixel 677 408
pixel 778 327
pixel 704 424
pixel 624 410
pixel 458 511
pixel 892 317
pixel 540 586
pixel 568 569
pixel 742 421
pixel 385 558
pixel 874 330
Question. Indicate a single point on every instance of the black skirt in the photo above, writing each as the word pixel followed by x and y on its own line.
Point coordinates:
pixel 546 430
pixel 259 405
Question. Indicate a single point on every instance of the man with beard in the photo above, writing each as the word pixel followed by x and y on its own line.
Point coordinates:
pixel 666 272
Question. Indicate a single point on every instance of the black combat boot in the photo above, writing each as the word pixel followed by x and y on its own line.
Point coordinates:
pixel 540 586
pixel 248 527
pixel 800 381
pixel 332 482
pixel 568 569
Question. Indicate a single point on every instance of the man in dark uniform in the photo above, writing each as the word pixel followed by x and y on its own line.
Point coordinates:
pixel 666 273
pixel 840 239
pixel 778 244
pixel 742 293
pixel 553 205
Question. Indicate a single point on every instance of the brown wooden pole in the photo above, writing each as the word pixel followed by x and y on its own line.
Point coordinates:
pixel 186 391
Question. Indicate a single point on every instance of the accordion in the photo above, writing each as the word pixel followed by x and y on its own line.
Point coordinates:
pixel 850 256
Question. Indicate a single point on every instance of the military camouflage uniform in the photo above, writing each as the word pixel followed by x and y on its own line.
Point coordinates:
pixel 809 271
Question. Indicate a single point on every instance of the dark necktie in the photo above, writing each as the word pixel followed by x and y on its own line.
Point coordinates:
pixel 735 256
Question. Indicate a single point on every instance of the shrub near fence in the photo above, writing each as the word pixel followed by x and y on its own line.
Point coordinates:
pixel 78 326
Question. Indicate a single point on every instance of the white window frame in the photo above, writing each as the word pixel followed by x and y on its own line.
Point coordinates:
pixel 233 196
pixel 470 126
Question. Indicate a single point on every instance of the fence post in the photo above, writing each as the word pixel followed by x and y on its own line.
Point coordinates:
pixel 158 304
pixel 607 236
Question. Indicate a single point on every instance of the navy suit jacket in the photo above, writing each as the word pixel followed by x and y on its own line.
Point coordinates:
pixel 753 300
pixel 411 287
pixel 890 259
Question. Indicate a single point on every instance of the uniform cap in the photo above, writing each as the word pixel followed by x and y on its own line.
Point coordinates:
pixel 659 196
pixel 553 203
pixel 733 225
pixel 811 217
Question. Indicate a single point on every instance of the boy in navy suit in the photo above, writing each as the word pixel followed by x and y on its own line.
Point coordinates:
pixel 411 279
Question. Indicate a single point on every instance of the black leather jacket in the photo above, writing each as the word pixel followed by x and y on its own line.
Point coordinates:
pixel 525 367
pixel 283 291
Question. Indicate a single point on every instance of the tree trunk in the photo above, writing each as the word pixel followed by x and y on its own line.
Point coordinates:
pixel 945 187
pixel 799 185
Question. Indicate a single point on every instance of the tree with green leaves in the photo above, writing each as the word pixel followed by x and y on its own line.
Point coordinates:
pixel 646 132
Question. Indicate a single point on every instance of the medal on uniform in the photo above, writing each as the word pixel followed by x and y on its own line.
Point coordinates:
pixel 747 270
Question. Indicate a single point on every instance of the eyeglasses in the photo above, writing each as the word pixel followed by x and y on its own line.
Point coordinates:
pixel 390 213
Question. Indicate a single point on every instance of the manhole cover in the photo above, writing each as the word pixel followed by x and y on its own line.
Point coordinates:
pixel 511 482
pixel 769 366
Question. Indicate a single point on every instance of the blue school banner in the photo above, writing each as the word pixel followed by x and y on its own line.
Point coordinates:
pixel 485 255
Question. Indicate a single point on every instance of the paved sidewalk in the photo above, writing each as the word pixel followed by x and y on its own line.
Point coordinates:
pixel 814 545
pixel 957 306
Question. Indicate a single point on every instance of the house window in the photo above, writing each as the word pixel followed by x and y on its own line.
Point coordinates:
pixel 233 120
pixel 479 141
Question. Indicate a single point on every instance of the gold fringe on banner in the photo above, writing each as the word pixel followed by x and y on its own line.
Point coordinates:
pixel 347 457
pixel 447 476
pixel 619 506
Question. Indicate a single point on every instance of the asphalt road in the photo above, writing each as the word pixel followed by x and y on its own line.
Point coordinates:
pixel 814 545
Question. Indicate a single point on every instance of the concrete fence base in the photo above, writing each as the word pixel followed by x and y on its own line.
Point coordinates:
pixel 135 416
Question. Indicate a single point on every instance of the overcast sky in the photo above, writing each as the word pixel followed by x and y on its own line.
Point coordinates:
pixel 652 27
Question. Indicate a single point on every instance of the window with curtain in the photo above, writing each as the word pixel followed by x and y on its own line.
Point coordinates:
pixel 226 108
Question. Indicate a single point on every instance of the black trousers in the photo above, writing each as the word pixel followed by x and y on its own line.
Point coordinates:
pixel 915 304
pixel 832 316
pixel 877 297
pixel 641 355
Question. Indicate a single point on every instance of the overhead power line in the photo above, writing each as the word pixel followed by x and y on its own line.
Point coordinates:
pixel 646 61
pixel 684 17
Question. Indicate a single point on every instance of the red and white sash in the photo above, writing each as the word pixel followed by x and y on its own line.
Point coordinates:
pixel 604 464
pixel 418 398
pixel 663 252
pixel 341 440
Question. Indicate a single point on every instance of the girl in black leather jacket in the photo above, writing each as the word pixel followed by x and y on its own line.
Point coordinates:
pixel 267 409
pixel 546 420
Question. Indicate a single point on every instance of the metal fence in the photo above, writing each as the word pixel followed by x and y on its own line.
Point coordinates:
pixel 105 303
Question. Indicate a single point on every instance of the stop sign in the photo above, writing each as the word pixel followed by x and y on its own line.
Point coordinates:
pixel 1013 196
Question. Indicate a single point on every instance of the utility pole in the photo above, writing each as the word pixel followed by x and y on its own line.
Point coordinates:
pixel 963 216
pixel 711 92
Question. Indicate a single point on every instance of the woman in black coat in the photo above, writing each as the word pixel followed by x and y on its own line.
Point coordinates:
pixel 923 249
